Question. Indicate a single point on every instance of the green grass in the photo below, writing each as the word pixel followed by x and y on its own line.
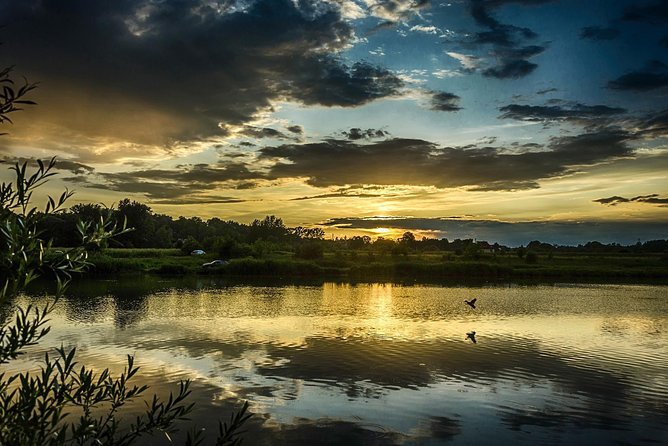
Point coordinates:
pixel 418 266
pixel 142 252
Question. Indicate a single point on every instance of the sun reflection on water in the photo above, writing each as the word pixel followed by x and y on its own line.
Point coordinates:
pixel 394 356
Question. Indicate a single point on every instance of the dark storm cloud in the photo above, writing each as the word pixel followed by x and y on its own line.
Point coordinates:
pixel 444 101
pixel 513 63
pixel 652 77
pixel 199 200
pixel 654 125
pixel 356 133
pixel 519 53
pixel 354 191
pixel 421 163
pixel 497 3
pixel 152 190
pixel 498 33
pixel 639 81
pixel 327 81
pixel 516 234
pixel 507 40
pixel 296 129
pixel 73 166
pixel 182 60
pixel 339 195
pixel 649 199
pixel 61 164
pixel 394 161
pixel 511 69
pixel 197 173
pixel 598 33
pixel 575 113
pixel 262 132
pixel 173 186
pixel 655 12
pixel 547 90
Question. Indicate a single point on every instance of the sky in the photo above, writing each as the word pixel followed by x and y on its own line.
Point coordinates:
pixel 499 120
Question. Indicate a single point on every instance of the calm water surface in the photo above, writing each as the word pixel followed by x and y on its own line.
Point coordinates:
pixel 377 364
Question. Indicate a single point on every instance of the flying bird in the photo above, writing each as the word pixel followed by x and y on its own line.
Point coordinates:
pixel 471 335
pixel 471 303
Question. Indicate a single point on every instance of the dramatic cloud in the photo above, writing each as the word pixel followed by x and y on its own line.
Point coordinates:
pixel 579 113
pixel 338 195
pixel 512 62
pixel 198 200
pixel 508 41
pixel 468 61
pixel 328 82
pixel 654 126
pixel 654 76
pixel 421 163
pixel 296 129
pixel 499 33
pixel 655 12
pixel 649 199
pixel 426 29
pixel 515 234
pixel 358 161
pixel 639 81
pixel 262 132
pixel 357 133
pixel 184 67
pixel 443 101
pixel 393 11
pixel 185 184
pixel 511 69
pixel 547 90
pixel 497 3
pixel 598 33
pixel 351 192
pixel 289 101
pixel 61 164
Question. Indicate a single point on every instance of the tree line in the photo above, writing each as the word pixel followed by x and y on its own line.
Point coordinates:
pixel 229 239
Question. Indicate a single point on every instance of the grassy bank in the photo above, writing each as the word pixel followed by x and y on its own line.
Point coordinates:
pixel 364 266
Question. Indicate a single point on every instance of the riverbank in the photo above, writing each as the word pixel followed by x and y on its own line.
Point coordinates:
pixel 356 266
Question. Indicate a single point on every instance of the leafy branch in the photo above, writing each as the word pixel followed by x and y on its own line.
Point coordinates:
pixel 62 404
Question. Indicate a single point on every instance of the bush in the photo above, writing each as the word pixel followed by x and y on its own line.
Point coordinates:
pixel 521 251
pixel 310 251
pixel 33 407
pixel 189 245
pixel 228 248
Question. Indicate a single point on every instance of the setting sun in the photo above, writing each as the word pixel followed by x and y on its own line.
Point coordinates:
pixel 381 231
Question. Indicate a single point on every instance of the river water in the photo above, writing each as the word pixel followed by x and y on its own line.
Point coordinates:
pixel 381 364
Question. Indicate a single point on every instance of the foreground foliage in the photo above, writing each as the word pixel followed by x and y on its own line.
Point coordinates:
pixel 65 403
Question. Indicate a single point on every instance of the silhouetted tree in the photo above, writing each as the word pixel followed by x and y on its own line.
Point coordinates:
pixel 271 228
